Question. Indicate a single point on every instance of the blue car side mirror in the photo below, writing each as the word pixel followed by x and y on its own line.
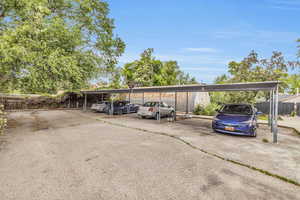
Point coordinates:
pixel 259 113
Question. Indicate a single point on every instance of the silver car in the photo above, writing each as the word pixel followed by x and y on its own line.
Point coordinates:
pixel 99 107
pixel 152 109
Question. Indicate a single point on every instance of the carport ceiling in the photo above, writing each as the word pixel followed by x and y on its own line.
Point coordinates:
pixel 254 86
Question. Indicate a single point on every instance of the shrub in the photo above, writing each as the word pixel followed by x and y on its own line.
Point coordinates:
pixel 265 140
pixel 293 114
pixel 3 120
pixel 210 109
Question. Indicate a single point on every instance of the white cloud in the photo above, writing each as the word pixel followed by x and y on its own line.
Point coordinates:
pixel 195 59
pixel 128 57
pixel 201 50
pixel 258 36
pixel 185 59
pixel 285 4
pixel 205 69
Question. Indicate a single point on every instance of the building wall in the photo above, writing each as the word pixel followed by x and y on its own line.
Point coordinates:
pixel 194 98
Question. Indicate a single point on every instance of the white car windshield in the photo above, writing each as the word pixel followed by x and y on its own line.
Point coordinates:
pixel 150 104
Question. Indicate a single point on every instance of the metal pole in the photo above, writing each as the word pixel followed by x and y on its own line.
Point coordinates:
pixel 85 101
pixel 276 116
pixel 272 112
pixel 175 118
pixel 187 103
pixel 129 96
pixel 143 98
pixel 69 105
pixel 112 107
pixel 270 109
pixel 159 106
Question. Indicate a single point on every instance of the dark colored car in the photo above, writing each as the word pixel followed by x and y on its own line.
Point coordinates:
pixel 121 107
pixel 237 119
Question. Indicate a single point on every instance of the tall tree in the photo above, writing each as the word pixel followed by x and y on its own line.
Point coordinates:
pixel 254 69
pixel 293 82
pixel 47 45
pixel 148 71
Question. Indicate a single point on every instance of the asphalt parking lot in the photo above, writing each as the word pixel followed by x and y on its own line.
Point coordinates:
pixel 77 155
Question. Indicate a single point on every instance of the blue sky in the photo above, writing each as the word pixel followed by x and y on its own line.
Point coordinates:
pixel 204 35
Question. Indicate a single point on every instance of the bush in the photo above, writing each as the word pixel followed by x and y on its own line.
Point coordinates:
pixel 265 140
pixel 293 114
pixel 3 120
pixel 210 109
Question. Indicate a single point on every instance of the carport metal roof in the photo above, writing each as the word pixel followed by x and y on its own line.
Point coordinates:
pixel 271 86
pixel 253 86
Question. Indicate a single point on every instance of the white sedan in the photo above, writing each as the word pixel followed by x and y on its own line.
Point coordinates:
pixel 99 107
pixel 152 109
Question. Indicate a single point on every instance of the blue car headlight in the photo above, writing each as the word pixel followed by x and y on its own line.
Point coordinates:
pixel 249 122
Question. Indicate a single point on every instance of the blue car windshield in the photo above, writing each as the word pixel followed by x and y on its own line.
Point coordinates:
pixel 237 109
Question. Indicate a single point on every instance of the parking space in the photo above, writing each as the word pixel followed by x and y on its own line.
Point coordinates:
pixel 85 155
pixel 282 158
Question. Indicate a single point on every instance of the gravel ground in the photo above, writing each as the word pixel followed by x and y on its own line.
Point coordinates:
pixel 64 155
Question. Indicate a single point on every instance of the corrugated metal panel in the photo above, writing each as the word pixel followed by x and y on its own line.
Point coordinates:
pixel 255 86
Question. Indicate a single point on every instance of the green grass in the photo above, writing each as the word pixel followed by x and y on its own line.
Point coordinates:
pixel 265 140
pixel 265 117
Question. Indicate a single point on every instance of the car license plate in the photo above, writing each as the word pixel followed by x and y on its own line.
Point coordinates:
pixel 229 128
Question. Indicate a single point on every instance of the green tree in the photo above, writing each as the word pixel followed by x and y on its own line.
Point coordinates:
pixel 253 69
pixel 293 82
pixel 143 72
pixel 148 71
pixel 46 45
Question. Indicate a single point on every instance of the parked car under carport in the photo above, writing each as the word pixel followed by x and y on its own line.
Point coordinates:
pixel 153 109
pixel 121 107
pixel 236 119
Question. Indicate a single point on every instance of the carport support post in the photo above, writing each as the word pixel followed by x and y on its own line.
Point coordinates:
pixel 272 112
pixel 175 118
pixel 85 100
pixel 112 107
pixel 187 103
pixel 275 128
pixel 129 96
pixel 159 106
pixel 270 108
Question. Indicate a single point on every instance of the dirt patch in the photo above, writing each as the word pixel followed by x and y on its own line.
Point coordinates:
pixel 39 123
pixel 12 123
pixel 2 144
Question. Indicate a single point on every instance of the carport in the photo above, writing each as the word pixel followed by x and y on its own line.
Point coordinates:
pixel 269 86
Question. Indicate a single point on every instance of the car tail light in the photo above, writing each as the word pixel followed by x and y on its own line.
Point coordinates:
pixel 150 109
